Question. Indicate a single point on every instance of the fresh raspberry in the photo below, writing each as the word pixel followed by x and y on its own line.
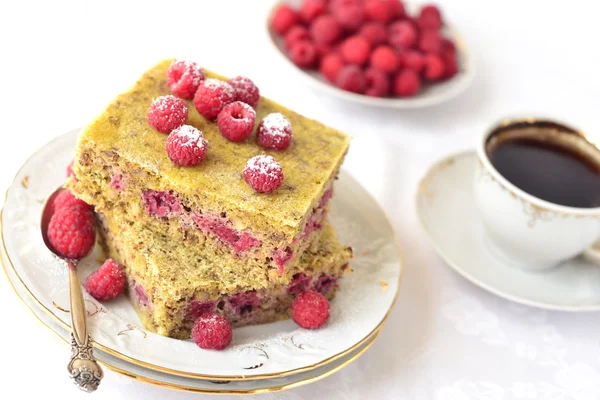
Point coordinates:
pixel 263 174
pixel 380 10
pixel 274 132
pixel 106 283
pixel 413 60
pixel 66 199
pixel 186 146
pixel 71 231
pixel 430 17
pixel 374 32
pixel 183 78
pixel 407 83
pixel 450 65
pixel 236 121
pixel 311 9
pixel 325 29
pixel 430 42
pixel 212 95
pixel 283 19
pixel 434 67
pixel 310 310
pixel 304 54
pixel 323 50
pixel 245 90
pixel 355 50
pixel 398 10
pixel 385 59
pixel 350 16
pixel 167 113
pixel 378 83
pixel 70 169
pixel 352 79
pixel 331 65
pixel 297 33
pixel 212 331
pixel 403 35
pixel 448 46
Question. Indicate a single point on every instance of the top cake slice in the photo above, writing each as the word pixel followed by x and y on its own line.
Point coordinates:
pixel 121 162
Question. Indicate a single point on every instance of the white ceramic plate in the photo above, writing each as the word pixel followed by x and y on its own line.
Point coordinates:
pixel 258 352
pixel 430 95
pixel 176 382
pixel 448 214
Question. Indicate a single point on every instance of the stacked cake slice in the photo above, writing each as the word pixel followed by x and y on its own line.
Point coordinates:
pixel 196 239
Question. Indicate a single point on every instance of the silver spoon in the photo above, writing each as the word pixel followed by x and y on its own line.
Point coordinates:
pixel 83 368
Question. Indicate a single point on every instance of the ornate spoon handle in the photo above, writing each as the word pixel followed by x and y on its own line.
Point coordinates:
pixel 83 368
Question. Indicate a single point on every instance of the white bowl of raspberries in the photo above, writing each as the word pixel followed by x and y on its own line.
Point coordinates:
pixel 378 52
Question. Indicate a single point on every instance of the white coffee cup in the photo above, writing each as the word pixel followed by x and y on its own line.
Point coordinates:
pixel 526 231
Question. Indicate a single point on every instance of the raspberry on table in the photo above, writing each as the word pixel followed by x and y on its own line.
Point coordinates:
pixel 186 146
pixel 356 50
pixel 263 174
pixel 106 283
pixel 212 331
pixel 183 78
pixel 310 310
pixel 297 33
pixel 283 19
pixel 350 16
pixel 66 199
pixel 72 232
pixel 434 67
pixel 167 113
pixel 236 121
pixel 406 83
pixel 304 54
pixel 429 17
pixel 274 132
pixel 385 59
pixel 311 9
pixel 414 60
pixel 212 95
pixel 378 83
pixel 331 65
pixel 374 32
pixel 245 90
pixel 430 42
pixel 352 79
pixel 325 29
pixel 403 35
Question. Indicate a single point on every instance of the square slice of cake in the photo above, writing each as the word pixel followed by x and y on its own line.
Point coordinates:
pixel 121 164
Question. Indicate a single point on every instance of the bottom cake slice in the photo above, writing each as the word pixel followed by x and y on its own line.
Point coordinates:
pixel 170 286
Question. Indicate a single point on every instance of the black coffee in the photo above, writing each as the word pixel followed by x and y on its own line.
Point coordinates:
pixel 559 171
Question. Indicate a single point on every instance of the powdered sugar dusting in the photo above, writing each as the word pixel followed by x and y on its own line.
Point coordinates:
pixel 264 165
pixel 215 84
pixel 276 124
pixel 193 70
pixel 169 103
pixel 191 136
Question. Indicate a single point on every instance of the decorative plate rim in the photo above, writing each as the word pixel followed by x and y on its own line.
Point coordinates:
pixel 174 372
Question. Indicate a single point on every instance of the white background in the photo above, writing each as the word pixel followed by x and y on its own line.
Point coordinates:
pixel 62 62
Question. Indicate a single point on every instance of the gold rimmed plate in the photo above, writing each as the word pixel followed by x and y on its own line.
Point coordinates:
pixel 268 351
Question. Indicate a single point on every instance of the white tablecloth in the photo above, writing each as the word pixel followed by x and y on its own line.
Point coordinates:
pixel 62 62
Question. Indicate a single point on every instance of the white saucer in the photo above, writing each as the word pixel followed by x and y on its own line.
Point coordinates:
pixel 447 212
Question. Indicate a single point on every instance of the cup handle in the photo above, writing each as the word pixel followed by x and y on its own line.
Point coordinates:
pixel 592 254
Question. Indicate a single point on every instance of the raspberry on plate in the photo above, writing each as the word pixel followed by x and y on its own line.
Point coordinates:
pixel 108 282
pixel 310 310
pixel 66 199
pixel 283 19
pixel 297 33
pixel 352 79
pixel 413 60
pixel 274 132
pixel 303 54
pixel 212 95
pixel 434 67
pixel 385 59
pixel 378 83
pixel 167 113
pixel 406 83
pixel 236 121
pixel 325 29
pixel 450 65
pixel 374 32
pixel 403 35
pixel 356 50
pixel 430 17
pixel 72 232
pixel 263 174
pixel 430 42
pixel 186 146
pixel 350 16
pixel 311 9
pixel 331 65
pixel 245 90
pixel 183 78
pixel 212 331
